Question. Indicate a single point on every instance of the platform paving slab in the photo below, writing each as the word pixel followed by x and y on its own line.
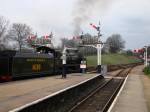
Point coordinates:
pixel 132 97
pixel 18 93
pixel 146 84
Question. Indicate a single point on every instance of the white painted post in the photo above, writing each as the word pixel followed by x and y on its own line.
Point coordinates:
pixel 64 62
pixel 64 56
pixel 146 56
pixel 98 55
pixel 100 50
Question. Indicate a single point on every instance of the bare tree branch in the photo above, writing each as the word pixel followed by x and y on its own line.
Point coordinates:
pixel 3 28
pixel 19 33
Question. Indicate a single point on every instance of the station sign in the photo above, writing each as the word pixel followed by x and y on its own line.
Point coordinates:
pixel 82 66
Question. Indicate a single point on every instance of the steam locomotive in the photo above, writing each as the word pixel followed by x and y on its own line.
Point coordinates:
pixel 45 61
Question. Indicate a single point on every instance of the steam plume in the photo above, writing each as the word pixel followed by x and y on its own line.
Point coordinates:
pixel 83 11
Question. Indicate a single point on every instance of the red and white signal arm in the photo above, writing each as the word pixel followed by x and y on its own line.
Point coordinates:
pixel 135 50
pixel 138 50
pixel 94 26
pixel 141 50
pixel 76 38
pixel 31 37
pixel 46 37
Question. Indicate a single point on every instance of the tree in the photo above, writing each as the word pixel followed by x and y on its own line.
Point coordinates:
pixel 89 39
pixel 115 43
pixel 86 39
pixel 19 33
pixel 68 42
pixel 3 29
pixel 129 53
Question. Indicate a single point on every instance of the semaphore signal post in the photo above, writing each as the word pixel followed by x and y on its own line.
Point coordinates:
pixel 98 45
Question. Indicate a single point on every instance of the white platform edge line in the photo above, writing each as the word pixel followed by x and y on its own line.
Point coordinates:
pixel 53 94
pixel 116 98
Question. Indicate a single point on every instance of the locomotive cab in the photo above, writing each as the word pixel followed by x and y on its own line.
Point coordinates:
pixel 6 64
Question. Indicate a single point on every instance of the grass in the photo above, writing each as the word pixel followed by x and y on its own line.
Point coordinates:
pixel 112 59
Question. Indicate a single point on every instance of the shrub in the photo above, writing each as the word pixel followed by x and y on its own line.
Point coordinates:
pixel 147 70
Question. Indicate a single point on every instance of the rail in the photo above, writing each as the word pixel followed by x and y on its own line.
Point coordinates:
pixel 100 99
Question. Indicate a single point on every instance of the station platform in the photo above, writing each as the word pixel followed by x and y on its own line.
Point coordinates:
pixel 131 98
pixel 19 93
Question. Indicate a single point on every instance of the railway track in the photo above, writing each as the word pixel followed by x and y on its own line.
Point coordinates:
pixel 93 95
pixel 101 98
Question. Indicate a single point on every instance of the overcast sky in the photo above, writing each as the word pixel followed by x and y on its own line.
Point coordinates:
pixel 130 18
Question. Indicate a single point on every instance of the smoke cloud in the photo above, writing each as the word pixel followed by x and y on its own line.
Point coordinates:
pixel 83 11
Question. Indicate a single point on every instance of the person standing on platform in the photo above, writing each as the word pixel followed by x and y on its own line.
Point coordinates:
pixel 64 63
